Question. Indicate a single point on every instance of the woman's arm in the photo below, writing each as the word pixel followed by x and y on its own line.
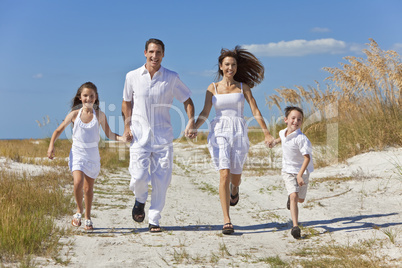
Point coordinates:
pixel 207 108
pixel 257 114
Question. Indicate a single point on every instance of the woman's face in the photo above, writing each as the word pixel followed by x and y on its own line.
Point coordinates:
pixel 228 67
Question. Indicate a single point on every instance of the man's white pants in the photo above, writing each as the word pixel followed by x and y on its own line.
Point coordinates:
pixel 151 164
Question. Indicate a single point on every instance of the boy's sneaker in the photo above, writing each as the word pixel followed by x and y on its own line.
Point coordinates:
pixel 295 232
pixel 288 203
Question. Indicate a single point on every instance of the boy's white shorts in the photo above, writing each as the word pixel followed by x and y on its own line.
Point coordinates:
pixel 293 187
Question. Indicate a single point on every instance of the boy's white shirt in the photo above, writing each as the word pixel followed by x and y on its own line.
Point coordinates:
pixel 294 147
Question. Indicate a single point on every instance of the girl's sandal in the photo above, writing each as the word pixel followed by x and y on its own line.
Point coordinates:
pixel 88 225
pixel 76 221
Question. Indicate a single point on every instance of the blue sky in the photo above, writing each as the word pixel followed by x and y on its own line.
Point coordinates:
pixel 49 48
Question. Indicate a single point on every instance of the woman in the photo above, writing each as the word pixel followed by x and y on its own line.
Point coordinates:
pixel 228 141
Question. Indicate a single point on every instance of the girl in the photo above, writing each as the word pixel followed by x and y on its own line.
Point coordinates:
pixel 84 161
pixel 228 141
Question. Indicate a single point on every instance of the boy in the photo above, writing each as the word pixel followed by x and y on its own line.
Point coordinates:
pixel 297 162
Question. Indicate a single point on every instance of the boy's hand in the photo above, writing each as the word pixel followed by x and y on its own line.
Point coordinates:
pixel 300 180
pixel 273 143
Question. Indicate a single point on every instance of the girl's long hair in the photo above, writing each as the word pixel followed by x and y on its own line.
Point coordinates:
pixel 76 103
pixel 249 69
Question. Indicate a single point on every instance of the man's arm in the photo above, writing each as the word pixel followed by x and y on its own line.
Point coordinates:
pixel 190 130
pixel 126 109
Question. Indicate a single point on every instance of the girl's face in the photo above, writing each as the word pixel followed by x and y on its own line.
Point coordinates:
pixel 88 97
pixel 228 67
pixel 294 121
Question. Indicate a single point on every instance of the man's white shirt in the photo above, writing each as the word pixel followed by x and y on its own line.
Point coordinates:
pixel 151 101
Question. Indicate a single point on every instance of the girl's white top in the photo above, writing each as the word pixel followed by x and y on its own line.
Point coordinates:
pixel 86 135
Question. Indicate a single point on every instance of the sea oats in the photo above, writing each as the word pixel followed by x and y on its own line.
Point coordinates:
pixel 368 95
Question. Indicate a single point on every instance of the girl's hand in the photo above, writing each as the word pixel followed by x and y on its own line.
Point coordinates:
pixel 50 153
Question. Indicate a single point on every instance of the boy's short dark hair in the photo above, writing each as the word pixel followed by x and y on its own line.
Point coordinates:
pixel 292 108
pixel 155 41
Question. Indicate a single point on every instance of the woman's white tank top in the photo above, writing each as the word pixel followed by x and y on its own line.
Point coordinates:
pixel 231 104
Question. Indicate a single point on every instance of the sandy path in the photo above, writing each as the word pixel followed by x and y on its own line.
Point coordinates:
pixel 343 211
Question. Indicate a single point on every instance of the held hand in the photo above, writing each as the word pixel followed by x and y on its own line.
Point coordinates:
pixel 127 135
pixel 190 132
pixel 120 138
pixel 274 143
pixel 130 136
pixel 269 141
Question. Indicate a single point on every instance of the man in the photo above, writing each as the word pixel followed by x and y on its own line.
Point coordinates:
pixel 147 97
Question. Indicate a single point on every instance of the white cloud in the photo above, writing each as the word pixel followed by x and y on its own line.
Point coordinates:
pixel 37 76
pixel 298 48
pixel 397 47
pixel 320 30
pixel 357 48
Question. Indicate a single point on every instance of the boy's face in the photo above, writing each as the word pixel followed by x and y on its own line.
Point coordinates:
pixel 294 121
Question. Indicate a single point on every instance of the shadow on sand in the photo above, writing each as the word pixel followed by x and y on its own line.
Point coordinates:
pixel 350 224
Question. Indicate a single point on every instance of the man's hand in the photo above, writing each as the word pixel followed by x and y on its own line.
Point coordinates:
pixel 127 135
pixel 190 131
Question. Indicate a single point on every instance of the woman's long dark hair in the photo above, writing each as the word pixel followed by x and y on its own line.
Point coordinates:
pixel 249 69
pixel 76 103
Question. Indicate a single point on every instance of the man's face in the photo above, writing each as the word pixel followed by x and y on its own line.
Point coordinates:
pixel 154 55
